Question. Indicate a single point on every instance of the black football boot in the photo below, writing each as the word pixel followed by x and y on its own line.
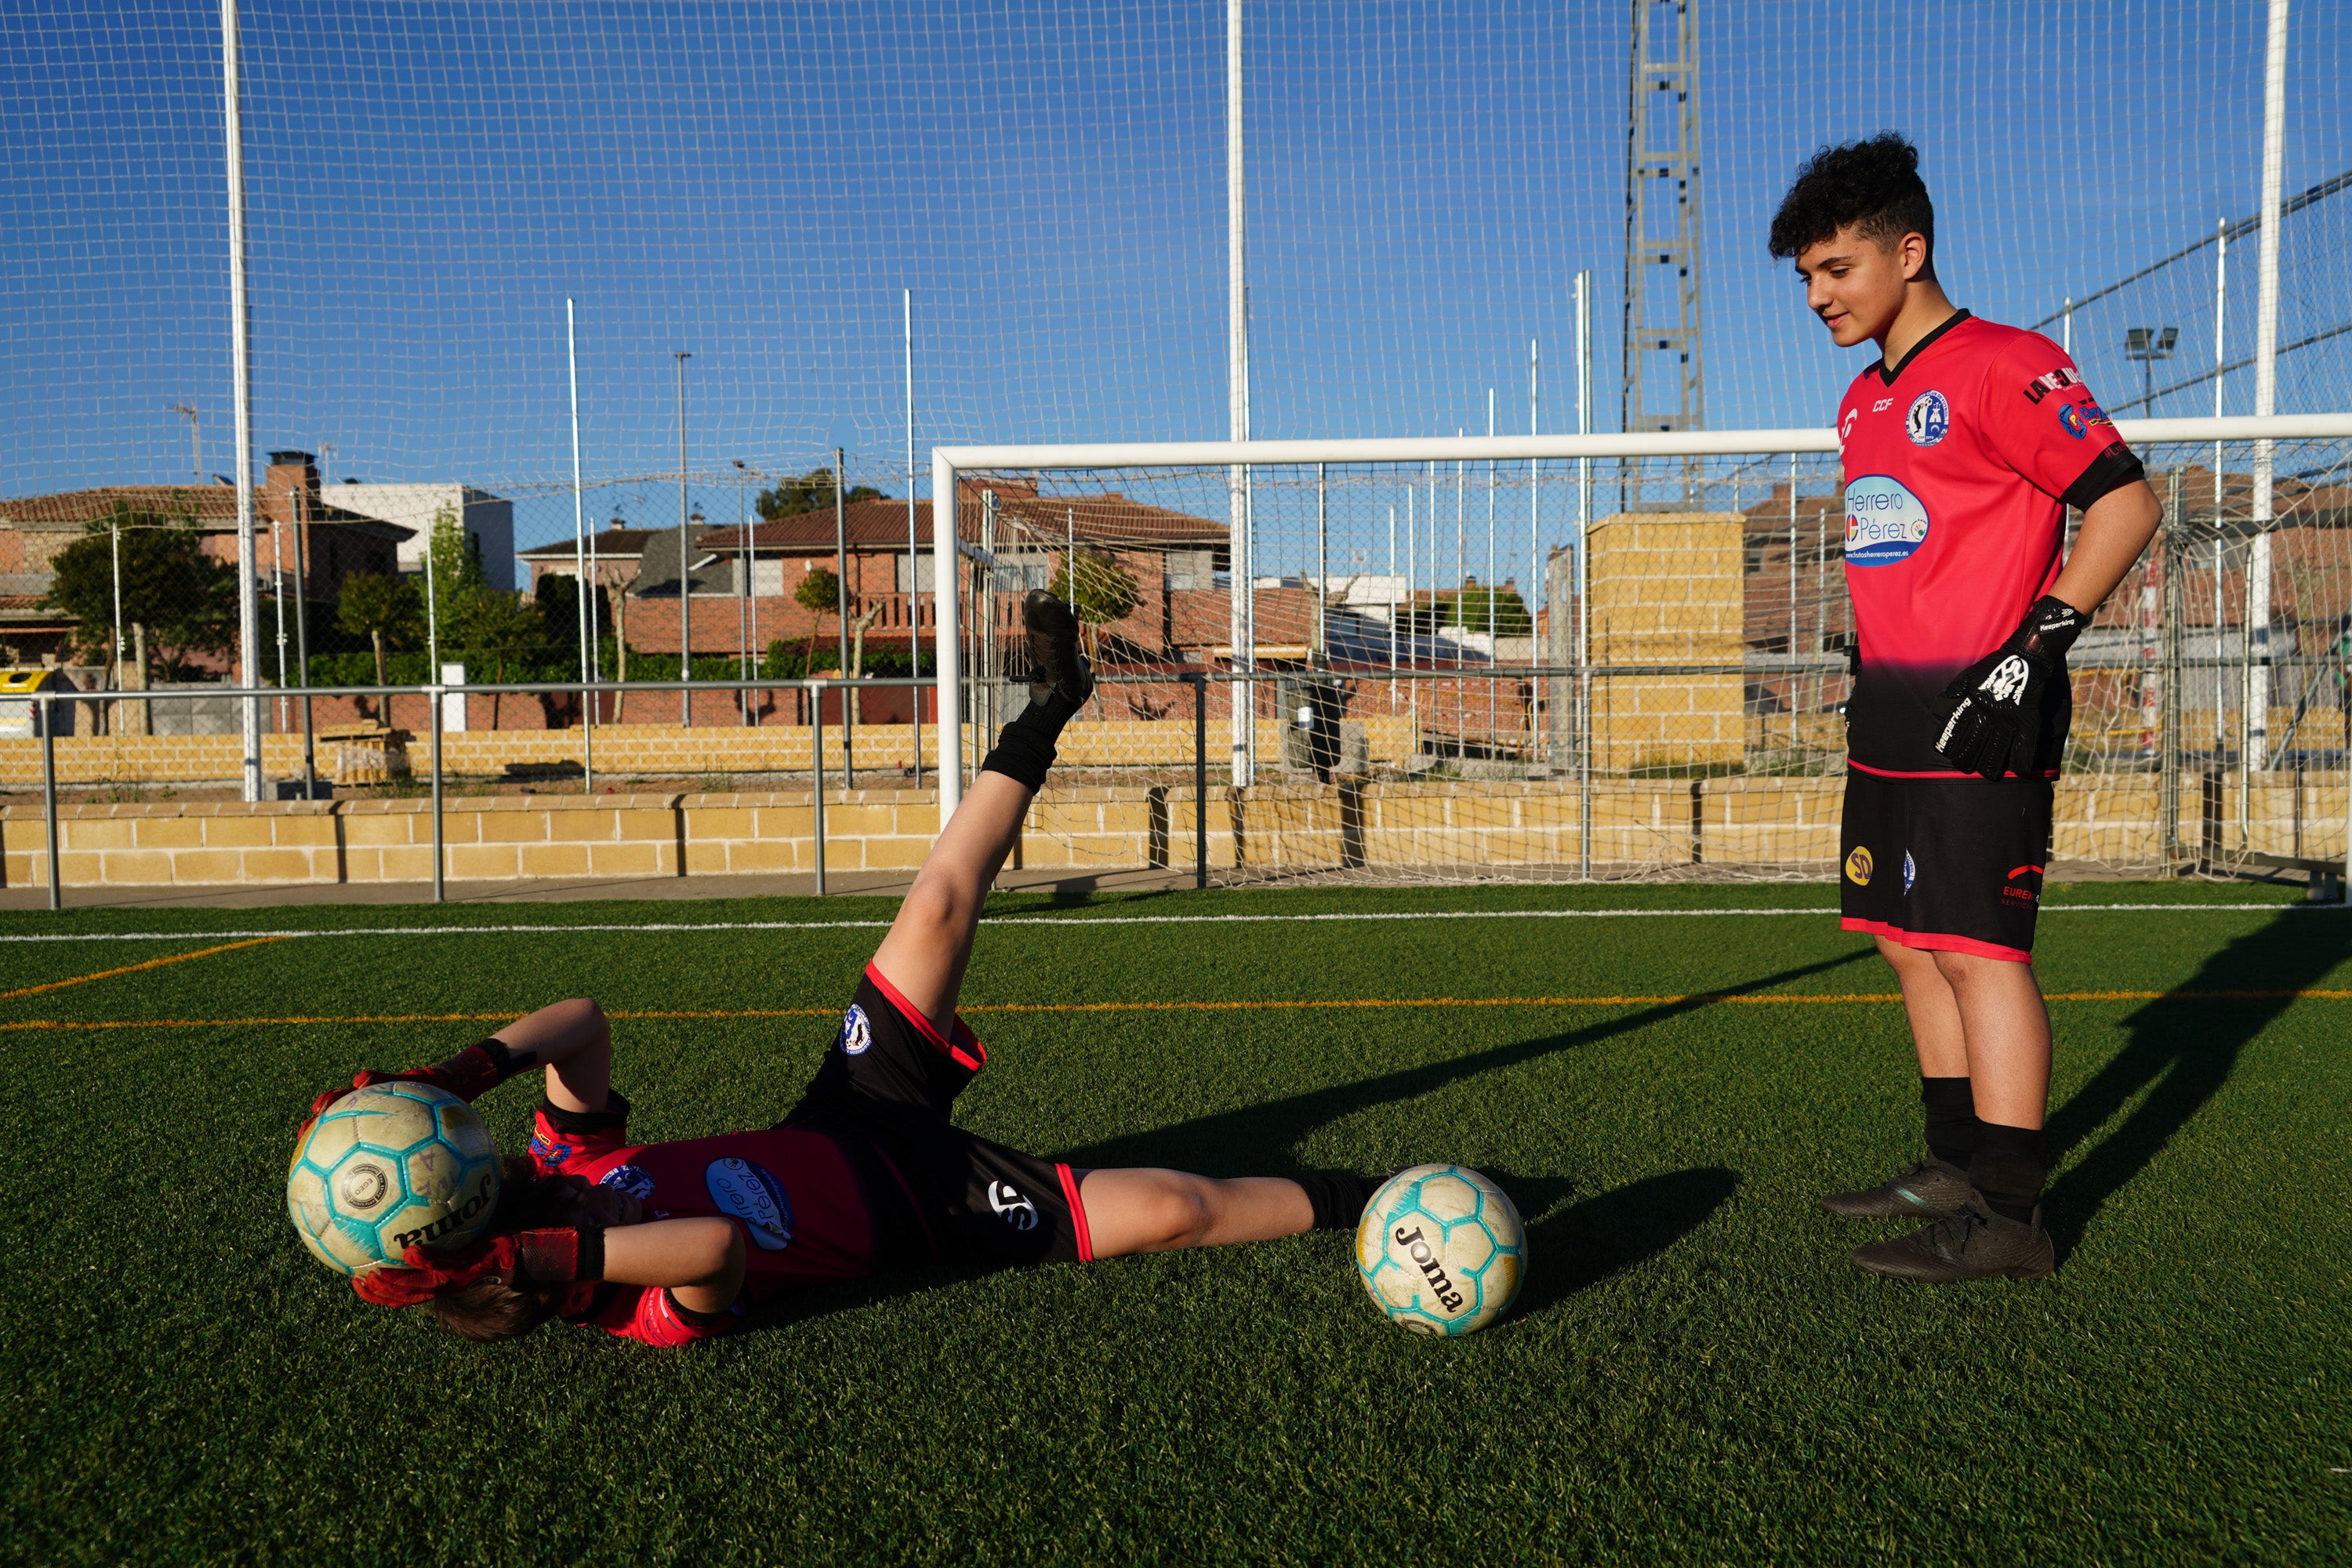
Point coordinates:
pixel 1055 665
pixel 1928 1190
pixel 1970 1243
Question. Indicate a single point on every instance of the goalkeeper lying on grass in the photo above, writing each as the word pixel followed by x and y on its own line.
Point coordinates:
pixel 672 1242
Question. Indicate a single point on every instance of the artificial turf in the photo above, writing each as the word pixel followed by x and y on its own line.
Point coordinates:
pixel 1693 1374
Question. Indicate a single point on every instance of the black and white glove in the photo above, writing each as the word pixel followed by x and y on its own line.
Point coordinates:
pixel 1992 712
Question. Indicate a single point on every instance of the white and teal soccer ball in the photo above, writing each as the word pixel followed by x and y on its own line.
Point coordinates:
pixel 384 1167
pixel 1440 1250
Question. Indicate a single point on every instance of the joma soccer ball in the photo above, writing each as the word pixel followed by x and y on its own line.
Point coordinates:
pixel 1440 1250
pixel 385 1167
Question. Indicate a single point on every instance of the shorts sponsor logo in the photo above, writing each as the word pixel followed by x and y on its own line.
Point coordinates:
pixel 634 1180
pixel 856 1032
pixel 1858 866
pixel 1884 522
pixel 1928 420
pixel 2022 886
pixel 1011 1206
pixel 1910 871
pixel 744 1189
pixel 2077 418
pixel 2058 380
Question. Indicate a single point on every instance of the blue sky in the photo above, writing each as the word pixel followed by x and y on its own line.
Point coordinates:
pixel 756 183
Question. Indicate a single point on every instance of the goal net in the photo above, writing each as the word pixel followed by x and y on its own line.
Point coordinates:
pixel 1394 671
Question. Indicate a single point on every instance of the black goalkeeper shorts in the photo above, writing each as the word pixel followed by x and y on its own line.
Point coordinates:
pixel 890 1082
pixel 1952 864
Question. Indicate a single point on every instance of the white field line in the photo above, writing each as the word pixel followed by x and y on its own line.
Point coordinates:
pixel 1102 920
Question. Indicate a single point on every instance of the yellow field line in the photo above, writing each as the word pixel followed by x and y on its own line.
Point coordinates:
pixel 1775 999
pixel 135 968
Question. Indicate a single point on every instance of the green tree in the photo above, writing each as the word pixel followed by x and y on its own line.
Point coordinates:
pixel 1468 609
pixel 185 599
pixel 820 594
pixel 386 610
pixel 790 498
pixel 457 572
pixel 499 628
pixel 1107 592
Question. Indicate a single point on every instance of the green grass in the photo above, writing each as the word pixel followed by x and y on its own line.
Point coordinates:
pixel 1693 1373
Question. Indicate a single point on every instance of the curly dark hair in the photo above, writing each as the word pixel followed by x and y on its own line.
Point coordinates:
pixel 1872 185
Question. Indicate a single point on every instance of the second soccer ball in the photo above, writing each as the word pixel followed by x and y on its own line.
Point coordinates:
pixel 1440 1250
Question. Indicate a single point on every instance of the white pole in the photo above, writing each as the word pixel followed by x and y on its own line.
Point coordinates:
pixel 1242 628
pixel 1411 573
pixel 944 588
pixel 579 517
pixel 1392 604
pixel 248 613
pixel 277 596
pixel 2258 568
pixel 1535 547
pixel 2220 336
pixel 1322 565
pixel 114 544
pixel 2066 326
pixel 946 639
pixel 684 566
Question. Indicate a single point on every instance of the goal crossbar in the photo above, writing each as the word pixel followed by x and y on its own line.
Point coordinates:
pixel 947 462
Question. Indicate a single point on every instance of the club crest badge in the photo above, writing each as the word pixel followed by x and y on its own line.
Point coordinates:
pixel 1929 419
pixel 634 1180
pixel 1910 871
pixel 856 1032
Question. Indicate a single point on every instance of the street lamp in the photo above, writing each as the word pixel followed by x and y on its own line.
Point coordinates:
pixel 2147 345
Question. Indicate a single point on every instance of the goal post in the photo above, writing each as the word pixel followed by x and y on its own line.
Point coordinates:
pixel 1575 458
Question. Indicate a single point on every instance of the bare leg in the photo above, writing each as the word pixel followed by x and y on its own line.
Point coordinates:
pixel 1147 1210
pixel 2008 1031
pixel 930 941
pixel 1935 1013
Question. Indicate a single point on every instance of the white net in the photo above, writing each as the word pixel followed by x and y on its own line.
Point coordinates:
pixel 1042 187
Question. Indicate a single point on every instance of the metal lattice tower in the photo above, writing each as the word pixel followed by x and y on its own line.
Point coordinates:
pixel 1662 233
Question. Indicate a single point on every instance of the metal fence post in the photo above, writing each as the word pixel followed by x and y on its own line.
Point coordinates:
pixel 817 774
pixel 1200 780
pixel 433 701
pixel 48 719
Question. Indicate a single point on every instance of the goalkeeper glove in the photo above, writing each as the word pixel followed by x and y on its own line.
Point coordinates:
pixel 556 1255
pixel 469 1075
pixel 1992 712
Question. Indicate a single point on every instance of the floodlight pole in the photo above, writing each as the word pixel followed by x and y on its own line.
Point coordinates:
pixel 249 614
pixel 2258 567
pixel 841 621
pixel 578 516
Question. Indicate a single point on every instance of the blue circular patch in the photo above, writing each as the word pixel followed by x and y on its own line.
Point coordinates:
pixel 1929 419
pixel 1884 522
pixel 856 1032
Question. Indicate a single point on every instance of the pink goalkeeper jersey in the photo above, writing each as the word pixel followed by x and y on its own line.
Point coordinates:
pixel 1960 464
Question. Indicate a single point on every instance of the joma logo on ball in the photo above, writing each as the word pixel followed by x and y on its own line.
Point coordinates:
pixel 455 1219
pixel 1426 1256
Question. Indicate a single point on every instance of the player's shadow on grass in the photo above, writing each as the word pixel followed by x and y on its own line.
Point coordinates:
pixel 2183 1048
pixel 1258 1139
pixel 1585 1243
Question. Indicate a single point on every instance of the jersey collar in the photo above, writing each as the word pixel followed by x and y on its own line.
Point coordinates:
pixel 1945 325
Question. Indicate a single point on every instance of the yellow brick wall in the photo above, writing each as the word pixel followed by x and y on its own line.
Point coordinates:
pixel 1454 827
pixel 1666 589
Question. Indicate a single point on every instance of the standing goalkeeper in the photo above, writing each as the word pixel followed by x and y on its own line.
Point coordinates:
pixel 1962 448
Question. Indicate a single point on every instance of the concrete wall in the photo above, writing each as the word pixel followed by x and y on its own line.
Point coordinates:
pixel 1665 589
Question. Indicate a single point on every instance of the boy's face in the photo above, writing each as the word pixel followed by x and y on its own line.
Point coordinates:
pixel 1856 286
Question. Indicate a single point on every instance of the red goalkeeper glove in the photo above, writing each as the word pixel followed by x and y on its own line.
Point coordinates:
pixel 558 1254
pixel 1992 712
pixel 469 1075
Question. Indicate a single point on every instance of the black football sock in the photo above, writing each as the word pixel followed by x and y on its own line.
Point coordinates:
pixel 1338 1200
pixel 2008 1167
pixel 1951 1120
pixel 1024 748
